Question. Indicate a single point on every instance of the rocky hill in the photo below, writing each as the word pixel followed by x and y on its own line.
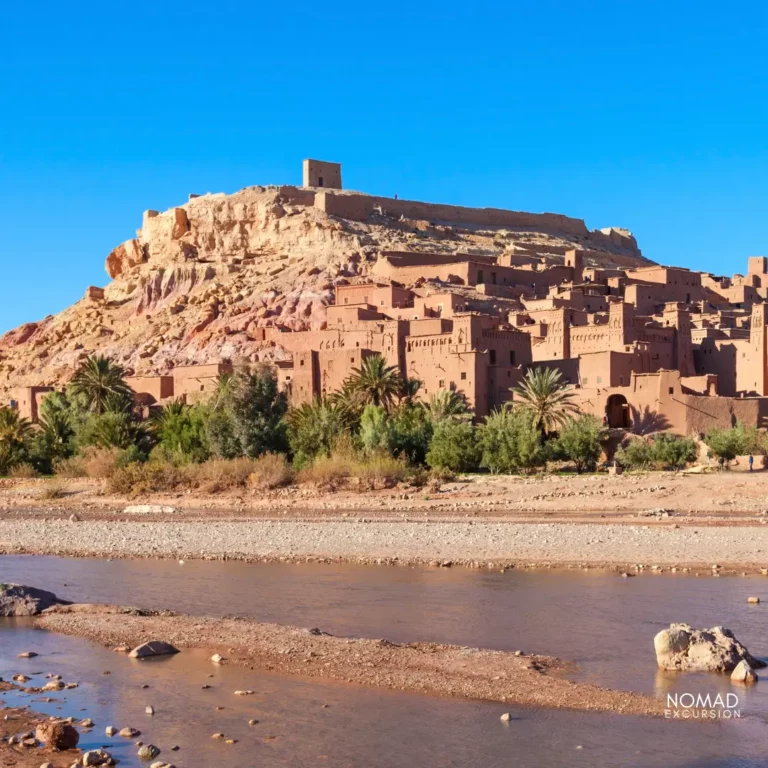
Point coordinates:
pixel 197 281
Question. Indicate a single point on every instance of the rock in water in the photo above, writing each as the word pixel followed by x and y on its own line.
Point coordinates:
pixel 18 600
pixel 97 757
pixel 148 752
pixel 57 735
pixel 743 673
pixel 685 649
pixel 153 648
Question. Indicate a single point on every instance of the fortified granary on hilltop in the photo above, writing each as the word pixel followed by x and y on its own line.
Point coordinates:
pixel 646 347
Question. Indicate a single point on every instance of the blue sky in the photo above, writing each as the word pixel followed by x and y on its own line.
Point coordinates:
pixel 652 116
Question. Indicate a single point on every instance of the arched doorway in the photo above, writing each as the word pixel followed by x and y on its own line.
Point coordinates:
pixel 617 412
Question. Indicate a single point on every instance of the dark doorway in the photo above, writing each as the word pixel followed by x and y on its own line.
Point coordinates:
pixel 617 412
pixel 320 181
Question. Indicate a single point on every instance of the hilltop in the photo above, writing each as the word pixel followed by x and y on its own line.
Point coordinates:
pixel 198 279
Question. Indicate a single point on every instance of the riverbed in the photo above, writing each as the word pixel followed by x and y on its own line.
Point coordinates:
pixel 600 621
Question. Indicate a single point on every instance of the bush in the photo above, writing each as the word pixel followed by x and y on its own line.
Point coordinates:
pixel 410 433
pixel 672 451
pixel 509 442
pixel 270 471
pixel 580 441
pixel 219 474
pixel 314 428
pixel 146 477
pixel 637 454
pixel 53 489
pixel 375 430
pixel 23 471
pixel 454 447
pixel 736 441
pixel 71 467
pixel 341 467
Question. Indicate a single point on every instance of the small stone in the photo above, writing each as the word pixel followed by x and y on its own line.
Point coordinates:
pixel 128 733
pixel 87 723
pixel 57 735
pixel 243 693
pixel 230 741
pixel 150 710
pixel 148 752
pixel 97 757
pixel 27 655
pixel 218 736
pixel 754 600
pixel 506 717
pixel 253 722
pixel 152 648
pixel 21 678
pixel 217 658
pixel 110 730
pixel 743 673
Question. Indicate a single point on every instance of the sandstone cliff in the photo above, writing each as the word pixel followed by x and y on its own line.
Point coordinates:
pixel 200 279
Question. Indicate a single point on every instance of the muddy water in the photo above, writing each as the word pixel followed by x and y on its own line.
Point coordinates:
pixel 604 623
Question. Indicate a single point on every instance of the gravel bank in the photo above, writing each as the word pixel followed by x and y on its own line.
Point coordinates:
pixel 458 542
pixel 433 668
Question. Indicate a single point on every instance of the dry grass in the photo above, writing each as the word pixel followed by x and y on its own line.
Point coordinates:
pixel 23 472
pixel 345 469
pixel 271 470
pixel 219 475
pixel 53 489
pixel 100 463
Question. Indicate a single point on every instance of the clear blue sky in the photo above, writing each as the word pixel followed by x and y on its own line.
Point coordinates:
pixel 648 115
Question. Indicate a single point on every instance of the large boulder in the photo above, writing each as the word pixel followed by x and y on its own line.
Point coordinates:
pixel 685 649
pixel 18 600
pixel 152 648
pixel 57 735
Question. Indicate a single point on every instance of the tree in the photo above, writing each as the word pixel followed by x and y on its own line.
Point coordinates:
pixel 454 447
pixel 181 432
pixel 409 390
pixel 673 451
pixel 54 440
pixel 447 404
pixel 314 428
pixel 580 441
pixel 101 383
pixel 509 441
pixel 544 393
pixel 375 382
pixel 375 429
pixel 410 433
pixel 727 444
pixel 15 433
pixel 247 419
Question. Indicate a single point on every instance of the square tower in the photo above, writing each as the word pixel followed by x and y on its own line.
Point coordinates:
pixel 318 173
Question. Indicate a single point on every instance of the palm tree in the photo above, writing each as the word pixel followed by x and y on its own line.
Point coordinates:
pixel 57 432
pixel 448 404
pixel 547 396
pixel 15 432
pixel 14 429
pixel 409 390
pixel 101 383
pixel 375 382
pixel 313 428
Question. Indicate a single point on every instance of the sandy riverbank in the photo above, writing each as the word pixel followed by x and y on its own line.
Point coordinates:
pixel 426 668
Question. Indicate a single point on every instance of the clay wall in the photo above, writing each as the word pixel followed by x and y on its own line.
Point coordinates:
pixel 27 400
pixel 319 173
pixel 193 381
pixel 152 388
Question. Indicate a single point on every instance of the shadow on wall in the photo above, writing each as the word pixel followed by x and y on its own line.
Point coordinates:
pixel 646 421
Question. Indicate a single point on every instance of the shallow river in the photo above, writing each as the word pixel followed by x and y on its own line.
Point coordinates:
pixel 599 620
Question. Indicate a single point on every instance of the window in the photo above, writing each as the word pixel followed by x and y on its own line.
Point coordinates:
pixel 599 379
pixel 441 383
pixel 512 357
pixel 463 375
pixel 351 359
pixel 479 275
pixel 493 356
pixel 301 362
pixel 320 181
pixel 671 390
pixel 585 381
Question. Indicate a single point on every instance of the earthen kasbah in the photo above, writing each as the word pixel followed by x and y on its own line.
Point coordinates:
pixel 315 278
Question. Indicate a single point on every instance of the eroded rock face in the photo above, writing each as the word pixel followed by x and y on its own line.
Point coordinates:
pixel 685 649
pixel 18 600
pixel 57 735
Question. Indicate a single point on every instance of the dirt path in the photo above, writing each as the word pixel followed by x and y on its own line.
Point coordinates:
pixel 431 668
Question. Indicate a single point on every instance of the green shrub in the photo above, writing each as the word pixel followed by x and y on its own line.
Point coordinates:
pixel 637 454
pixel 580 441
pixel 672 451
pixel 454 447
pixel 509 441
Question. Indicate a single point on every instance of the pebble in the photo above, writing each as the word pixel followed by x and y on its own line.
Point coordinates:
pixel 753 600
pixel 150 710
pixel 506 717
